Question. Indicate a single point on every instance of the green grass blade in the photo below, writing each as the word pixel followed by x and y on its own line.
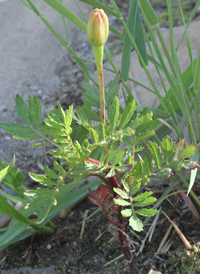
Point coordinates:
pixel 100 6
pixel 149 12
pixel 197 75
pixel 189 21
pixel 65 201
pixel 7 209
pixel 63 10
pixel 28 5
pixel 100 1
pixel 186 33
pixel 6 170
pixel 135 27
pixel 14 234
pixel 193 174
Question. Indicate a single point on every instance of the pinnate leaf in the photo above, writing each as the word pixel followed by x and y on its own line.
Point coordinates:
pixel 121 202
pixel 127 114
pixel 146 212
pixel 145 202
pixel 50 173
pixel 126 212
pixel 35 111
pixel 41 179
pixel 136 223
pixel 21 109
pixel 114 114
pixel 166 144
pixel 188 152
pixel 142 195
pixel 121 193
pixel 156 153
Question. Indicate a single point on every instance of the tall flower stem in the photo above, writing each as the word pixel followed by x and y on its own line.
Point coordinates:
pixel 98 53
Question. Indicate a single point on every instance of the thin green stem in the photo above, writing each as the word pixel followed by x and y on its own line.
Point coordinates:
pixel 98 53
pixel 64 25
pixel 45 138
pixel 165 48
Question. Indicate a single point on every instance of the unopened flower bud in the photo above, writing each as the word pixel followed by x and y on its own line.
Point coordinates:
pixel 98 28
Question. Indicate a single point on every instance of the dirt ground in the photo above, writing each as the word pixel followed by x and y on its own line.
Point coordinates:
pixel 33 62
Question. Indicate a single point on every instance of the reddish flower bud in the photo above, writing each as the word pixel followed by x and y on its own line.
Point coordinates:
pixel 98 28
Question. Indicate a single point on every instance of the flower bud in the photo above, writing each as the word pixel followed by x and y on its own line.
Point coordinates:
pixel 98 27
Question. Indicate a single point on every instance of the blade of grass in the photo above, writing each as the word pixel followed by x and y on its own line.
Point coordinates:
pixel 139 55
pixel 63 10
pixel 64 25
pixel 100 6
pixel 135 27
pixel 189 21
pixel 182 178
pixel 193 173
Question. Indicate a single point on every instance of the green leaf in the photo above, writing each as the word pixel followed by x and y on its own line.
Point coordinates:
pixel 126 212
pixel 156 153
pixel 127 114
pixel 53 117
pixel 50 173
pixel 121 193
pixel 53 124
pixel 39 143
pixel 100 6
pixel 135 27
pixel 94 135
pixel 139 121
pixel 63 201
pixel 22 110
pixel 121 202
pixel 149 12
pixel 142 196
pixel 144 135
pixel 119 157
pixel 136 223
pixel 197 75
pixel 114 114
pixel 7 209
pixel 187 152
pixel 14 234
pixel 166 144
pixel 146 212
pixel 16 129
pixel 55 132
pixel 61 112
pixel 92 115
pixel 58 167
pixel 112 90
pixel 68 118
pixel 193 173
pixel 63 10
pixel 91 95
pixel 145 202
pixel 35 111
pixel 41 179
pixel 5 171
pixel 111 173
pixel 136 188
